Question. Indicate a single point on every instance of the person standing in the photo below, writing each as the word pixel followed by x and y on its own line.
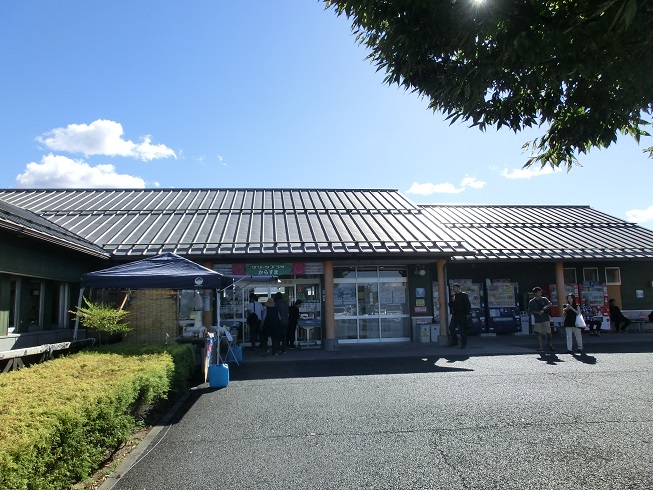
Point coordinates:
pixel 540 308
pixel 460 309
pixel 570 311
pixel 282 306
pixel 293 320
pixel 589 314
pixel 272 326
pixel 254 320
pixel 617 318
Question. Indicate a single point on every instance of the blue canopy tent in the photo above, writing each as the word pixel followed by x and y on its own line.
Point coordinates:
pixel 166 270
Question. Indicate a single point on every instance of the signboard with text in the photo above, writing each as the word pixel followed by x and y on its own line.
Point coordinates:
pixel 268 269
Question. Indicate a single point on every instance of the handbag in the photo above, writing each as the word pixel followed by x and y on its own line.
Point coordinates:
pixel 580 321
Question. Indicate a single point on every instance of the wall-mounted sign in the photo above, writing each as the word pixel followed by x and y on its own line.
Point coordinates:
pixel 268 269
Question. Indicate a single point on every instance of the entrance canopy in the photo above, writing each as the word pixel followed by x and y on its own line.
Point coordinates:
pixel 166 270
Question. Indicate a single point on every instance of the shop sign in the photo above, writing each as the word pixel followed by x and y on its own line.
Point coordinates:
pixel 268 269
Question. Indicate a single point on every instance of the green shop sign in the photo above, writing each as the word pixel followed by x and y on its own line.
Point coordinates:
pixel 268 269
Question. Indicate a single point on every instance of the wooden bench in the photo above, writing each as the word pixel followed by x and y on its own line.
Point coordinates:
pixel 639 319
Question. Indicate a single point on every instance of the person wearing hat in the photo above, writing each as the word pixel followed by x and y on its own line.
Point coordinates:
pixel 461 310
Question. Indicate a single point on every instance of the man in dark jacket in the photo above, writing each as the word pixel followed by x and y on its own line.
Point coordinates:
pixel 282 306
pixel 460 309
pixel 618 318
pixel 293 320
pixel 272 326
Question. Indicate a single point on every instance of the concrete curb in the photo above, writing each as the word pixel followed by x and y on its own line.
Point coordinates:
pixel 135 454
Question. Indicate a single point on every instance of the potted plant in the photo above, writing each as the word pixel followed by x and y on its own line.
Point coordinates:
pixel 102 318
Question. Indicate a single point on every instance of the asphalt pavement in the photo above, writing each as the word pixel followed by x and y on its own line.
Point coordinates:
pixel 478 345
pixel 497 414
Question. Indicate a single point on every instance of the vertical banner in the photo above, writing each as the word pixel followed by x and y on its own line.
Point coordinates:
pixel 207 358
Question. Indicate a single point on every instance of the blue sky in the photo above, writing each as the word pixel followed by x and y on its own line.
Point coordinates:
pixel 255 94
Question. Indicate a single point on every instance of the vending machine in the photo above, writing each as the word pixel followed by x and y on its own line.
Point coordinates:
pixel 556 310
pixel 502 305
pixel 597 294
pixel 477 300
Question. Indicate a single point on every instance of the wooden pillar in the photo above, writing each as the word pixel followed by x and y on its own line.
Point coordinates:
pixel 443 338
pixel 330 341
pixel 207 303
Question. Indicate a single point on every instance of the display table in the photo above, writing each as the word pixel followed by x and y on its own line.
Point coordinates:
pixel 229 342
pixel 307 326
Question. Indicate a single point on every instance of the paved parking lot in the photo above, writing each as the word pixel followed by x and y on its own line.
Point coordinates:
pixel 434 420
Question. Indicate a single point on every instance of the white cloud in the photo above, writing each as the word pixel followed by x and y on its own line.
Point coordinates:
pixel 102 137
pixel 445 187
pixel 472 182
pixel 526 173
pixel 640 215
pixel 59 172
pixel 146 151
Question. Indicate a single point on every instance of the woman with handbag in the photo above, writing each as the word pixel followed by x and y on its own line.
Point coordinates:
pixel 573 323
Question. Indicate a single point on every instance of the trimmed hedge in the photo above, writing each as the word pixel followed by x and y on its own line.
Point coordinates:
pixel 60 419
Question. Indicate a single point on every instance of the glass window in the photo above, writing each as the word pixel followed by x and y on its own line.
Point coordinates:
pixel 391 272
pixel 613 275
pixel 55 311
pixel 569 276
pixel 371 303
pixel 591 274
pixel 368 299
pixel 346 329
pixel 367 273
pixel 392 328
pixel 35 307
pixel 369 329
pixel 392 298
pixel 344 299
pixel 310 311
pixel 232 305
pixel 13 308
pixel 344 272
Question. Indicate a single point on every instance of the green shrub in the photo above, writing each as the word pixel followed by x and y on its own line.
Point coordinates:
pixel 59 420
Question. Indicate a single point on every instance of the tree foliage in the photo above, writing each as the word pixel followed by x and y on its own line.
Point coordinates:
pixel 582 70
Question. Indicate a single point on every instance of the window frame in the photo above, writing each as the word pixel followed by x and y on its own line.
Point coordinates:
pixel 607 276
pixel 596 271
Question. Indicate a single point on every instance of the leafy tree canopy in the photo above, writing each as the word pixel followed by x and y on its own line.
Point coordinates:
pixel 582 69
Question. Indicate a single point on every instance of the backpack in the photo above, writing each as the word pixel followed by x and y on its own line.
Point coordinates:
pixel 252 318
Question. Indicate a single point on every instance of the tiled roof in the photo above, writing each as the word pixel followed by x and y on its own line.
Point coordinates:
pixel 542 232
pixel 243 222
pixel 23 222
